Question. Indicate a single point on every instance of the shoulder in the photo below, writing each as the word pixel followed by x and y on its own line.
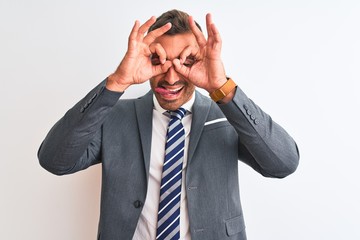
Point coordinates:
pixel 129 103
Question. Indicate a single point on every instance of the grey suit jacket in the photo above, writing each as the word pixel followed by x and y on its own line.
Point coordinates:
pixel 117 133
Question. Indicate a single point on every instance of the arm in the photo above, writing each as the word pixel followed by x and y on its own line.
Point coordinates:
pixel 74 142
pixel 263 144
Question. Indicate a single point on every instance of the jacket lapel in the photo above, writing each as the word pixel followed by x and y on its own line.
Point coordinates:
pixel 200 113
pixel 144 112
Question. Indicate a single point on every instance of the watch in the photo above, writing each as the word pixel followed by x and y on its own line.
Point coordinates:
pixel 224 90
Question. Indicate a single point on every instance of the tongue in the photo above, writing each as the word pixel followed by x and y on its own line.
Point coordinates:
pixel 164 91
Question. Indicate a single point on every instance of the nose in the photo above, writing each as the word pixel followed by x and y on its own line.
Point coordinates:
pixel 172 76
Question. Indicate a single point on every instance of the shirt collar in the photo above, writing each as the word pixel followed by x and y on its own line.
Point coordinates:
pixel 187 106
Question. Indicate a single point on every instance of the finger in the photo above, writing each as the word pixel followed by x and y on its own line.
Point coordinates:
pixel 151 36
pixel 214 38
pixel 215 35
pixel 200 38
pixel 158 51
pixel 134 31
pixel 180 68
pixel 189 51
pixel 143 28
pixel 185 53
pixel 162 68
pixel 209 22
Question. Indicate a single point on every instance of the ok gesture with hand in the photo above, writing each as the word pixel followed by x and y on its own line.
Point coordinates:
pixel 207 72
pixel 136 66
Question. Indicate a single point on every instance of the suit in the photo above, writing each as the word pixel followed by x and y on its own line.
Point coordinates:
pixel 117 133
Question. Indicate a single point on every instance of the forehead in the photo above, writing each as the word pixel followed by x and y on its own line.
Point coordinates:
pixel 175 44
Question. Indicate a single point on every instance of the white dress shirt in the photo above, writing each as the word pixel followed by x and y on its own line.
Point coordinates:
pixel 147 224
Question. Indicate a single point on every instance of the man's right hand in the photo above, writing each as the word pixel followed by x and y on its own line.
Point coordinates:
pixel 136 66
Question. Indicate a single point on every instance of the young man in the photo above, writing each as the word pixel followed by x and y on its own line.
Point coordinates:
pixel 193 193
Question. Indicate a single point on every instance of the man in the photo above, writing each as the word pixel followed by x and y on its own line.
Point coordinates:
pixel 140 198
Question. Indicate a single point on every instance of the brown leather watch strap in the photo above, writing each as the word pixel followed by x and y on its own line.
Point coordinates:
pixel 225 89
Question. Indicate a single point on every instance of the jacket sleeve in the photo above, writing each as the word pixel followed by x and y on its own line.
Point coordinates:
pixel 74 142
pixel 263 144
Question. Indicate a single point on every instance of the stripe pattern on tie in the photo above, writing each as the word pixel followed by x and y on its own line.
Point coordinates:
pixel 168 226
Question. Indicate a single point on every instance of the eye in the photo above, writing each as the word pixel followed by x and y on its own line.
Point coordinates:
pixel 155 60
pixel 189 61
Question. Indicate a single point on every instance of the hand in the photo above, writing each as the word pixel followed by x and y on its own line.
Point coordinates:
pixel 136 66
pixel 207 71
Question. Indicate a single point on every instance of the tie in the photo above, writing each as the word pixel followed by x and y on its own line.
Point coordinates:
pixel 170 188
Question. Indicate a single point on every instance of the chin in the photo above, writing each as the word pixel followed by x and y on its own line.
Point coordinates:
pixel 170 105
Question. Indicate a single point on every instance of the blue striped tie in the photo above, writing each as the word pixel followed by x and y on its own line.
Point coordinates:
pixel 170 189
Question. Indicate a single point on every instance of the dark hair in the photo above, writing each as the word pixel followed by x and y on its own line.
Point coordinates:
pixel 178 19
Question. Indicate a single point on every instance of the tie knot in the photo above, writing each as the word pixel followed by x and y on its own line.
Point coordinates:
pixel 178 113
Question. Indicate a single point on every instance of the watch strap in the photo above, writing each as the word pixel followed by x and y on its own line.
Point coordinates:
pixel 223 91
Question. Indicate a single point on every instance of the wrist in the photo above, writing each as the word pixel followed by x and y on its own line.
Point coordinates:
pixel 225 92
pixel 113 83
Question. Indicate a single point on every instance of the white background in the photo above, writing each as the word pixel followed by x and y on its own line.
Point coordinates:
pixel 298 60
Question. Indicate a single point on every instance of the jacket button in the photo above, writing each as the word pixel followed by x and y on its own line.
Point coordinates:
pixel 138 204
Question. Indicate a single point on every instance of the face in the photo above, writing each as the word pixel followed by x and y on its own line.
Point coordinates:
pixel 171 89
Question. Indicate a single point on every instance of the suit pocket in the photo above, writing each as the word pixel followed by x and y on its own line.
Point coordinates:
pixel 216 125
pixel 234 225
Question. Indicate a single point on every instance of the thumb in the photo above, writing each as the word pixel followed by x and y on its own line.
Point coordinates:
pixel 180 68
pixel 162 68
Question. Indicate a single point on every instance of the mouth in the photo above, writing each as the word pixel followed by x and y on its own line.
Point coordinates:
pixel 169 93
